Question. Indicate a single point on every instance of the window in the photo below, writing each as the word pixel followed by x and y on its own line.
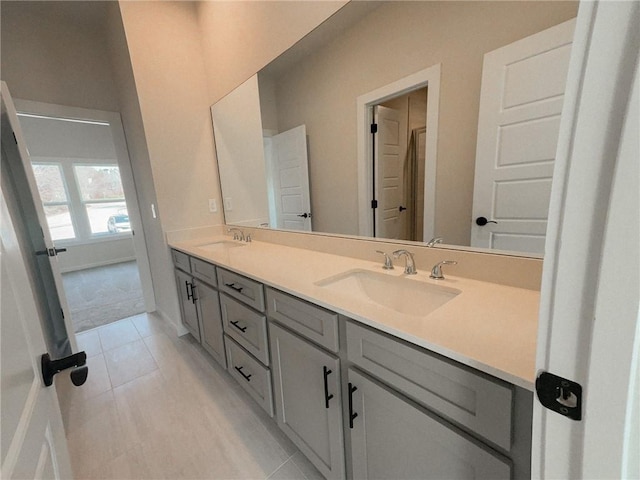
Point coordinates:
pixel 82 200
pixel 55 200
pixel 102 198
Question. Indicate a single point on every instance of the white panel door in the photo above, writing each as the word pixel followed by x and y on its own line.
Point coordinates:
pixel 388 160
pixel 520 105
pixel 33 442
pixel 17 156
pixel 290 176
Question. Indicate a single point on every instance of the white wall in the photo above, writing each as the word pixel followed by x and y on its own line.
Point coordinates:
pixel 165 300
pixel 53 57
pixel 239 147
pixel 89 255
pixel 239 38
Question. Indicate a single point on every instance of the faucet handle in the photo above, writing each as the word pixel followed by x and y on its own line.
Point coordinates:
pixel 409 266
pixel 388 264
pixel 436 271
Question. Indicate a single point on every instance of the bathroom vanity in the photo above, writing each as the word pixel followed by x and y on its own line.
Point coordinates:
pixel 371 374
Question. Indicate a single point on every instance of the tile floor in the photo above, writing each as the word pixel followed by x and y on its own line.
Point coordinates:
pixel 157 406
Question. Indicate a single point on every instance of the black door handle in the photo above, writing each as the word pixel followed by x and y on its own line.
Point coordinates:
pixel 352 414
pixel 233 286
pixel 51 367
pixel 51 252
pixel 246 377
pixel 305 215
pixel 327 396
pixel 189 290
pixel 235 324
pixel 401 208
pixel 482 221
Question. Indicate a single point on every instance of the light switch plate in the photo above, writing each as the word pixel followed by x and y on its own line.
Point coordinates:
pixel 228 206
pixel 213 205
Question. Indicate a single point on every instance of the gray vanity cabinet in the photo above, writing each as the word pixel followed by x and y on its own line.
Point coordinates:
pixel 394 438
pixel 308 404
pixel 185 284
pixel 200 303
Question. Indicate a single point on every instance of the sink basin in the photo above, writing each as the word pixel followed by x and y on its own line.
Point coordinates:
pixel 399 293
pixel 220 245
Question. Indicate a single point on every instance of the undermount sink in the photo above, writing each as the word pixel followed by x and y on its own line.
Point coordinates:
pixel 220 245
pixel 399 293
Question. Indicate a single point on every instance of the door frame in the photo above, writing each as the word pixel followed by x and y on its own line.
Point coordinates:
pixel 128 181
pixel 428 77
pixel 588 328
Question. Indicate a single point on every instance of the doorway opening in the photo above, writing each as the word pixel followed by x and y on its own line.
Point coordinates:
pixel 84 178
pixel 399 141
pixel 397 151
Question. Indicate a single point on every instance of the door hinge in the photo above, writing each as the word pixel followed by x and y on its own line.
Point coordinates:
pixel 374 203
pixel 374 128
pixel 560 395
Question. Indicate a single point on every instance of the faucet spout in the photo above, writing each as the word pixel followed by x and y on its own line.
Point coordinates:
pixel 237 233
pixel 410 265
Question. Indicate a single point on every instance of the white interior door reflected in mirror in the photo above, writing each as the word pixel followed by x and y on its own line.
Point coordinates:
pixel 520 105
pixel 288 180
pixel 388 172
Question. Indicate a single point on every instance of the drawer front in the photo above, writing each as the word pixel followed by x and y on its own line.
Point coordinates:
pixel 481 404
pixel 244 289
pixel 247 327
pixel 311 321
pixel 181 260
pixel 204 271
pixel 250 374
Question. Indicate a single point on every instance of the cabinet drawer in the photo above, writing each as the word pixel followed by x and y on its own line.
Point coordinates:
pixel 204 271
pixel 311 321
pixel 251 375
pixel 477 402
pixel 244 289
pixel 247 327
pixel 181 260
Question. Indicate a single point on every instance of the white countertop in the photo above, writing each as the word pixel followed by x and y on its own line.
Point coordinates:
pixel 489 327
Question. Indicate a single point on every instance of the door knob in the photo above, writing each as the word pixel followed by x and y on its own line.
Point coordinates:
pixel 482 221
pixel 77 361
pixel 401 208
pixel 305 215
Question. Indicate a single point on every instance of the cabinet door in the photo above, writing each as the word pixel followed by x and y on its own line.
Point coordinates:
pixel 307 391
pixel 187 304
pixel 392 438
pixel 211 322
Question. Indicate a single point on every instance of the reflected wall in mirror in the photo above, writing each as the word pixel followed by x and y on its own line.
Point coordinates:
pixel 364 47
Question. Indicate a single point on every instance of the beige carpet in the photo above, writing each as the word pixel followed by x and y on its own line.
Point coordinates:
pixel 102 295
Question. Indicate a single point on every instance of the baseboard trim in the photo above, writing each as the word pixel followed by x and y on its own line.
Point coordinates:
pixel 104 263
pixel 176 326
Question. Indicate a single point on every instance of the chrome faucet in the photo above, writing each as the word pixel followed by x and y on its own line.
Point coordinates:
pixel 436 271
pixel 434 241
pixel 237 234
pixel 388 264
pixel 409 266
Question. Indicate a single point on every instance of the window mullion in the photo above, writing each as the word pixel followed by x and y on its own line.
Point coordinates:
pixel 78 212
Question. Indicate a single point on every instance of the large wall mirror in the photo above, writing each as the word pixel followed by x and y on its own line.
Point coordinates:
pixel 465 98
